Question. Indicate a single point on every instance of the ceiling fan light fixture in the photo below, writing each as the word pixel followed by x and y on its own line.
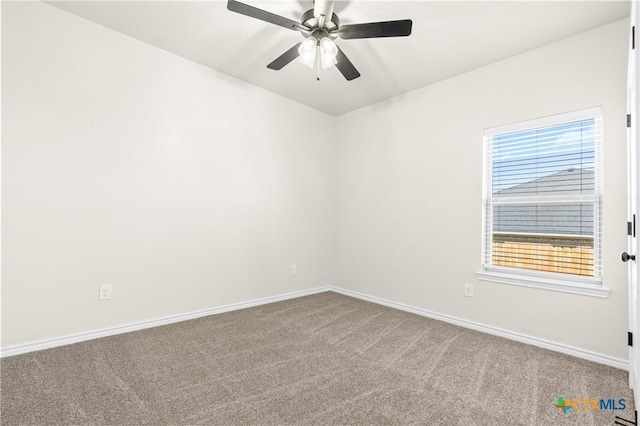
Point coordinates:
pixel 328 52
pixel 327 61
pixel 307 51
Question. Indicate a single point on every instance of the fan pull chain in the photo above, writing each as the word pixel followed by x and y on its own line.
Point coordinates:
pixel 318 63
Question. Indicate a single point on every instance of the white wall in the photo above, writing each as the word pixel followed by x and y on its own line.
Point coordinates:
pixel 408 200
pixel 186 189
pixel 126 165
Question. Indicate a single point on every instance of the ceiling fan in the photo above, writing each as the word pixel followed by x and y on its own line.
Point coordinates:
pixel 320 27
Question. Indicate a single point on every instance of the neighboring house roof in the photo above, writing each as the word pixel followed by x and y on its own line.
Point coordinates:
pixel 547 218
pixel 566 182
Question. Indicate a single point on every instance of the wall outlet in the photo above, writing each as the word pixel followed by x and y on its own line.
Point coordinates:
pixel 104 292
pixel 294 269
pixel 468 290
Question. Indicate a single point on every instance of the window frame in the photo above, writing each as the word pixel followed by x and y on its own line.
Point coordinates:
pixel 563 282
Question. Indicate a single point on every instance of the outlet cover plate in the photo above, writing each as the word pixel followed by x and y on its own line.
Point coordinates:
pixel 104 292
pixel 468 290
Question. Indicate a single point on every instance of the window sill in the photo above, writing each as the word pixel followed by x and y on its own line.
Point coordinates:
pixel 594 290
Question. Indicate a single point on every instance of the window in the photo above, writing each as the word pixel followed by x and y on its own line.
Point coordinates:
pixel 543 203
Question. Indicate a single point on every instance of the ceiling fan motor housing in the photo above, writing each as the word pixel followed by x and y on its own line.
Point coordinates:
pixel 311 21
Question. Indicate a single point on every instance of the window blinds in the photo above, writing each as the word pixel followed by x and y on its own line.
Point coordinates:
pixel 543 191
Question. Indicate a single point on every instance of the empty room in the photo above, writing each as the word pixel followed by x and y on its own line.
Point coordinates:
pixel 330 212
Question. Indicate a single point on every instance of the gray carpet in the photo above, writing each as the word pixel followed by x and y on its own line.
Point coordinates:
pixel 321 359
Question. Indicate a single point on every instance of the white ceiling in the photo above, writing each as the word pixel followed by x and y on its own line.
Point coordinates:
pixel 449 38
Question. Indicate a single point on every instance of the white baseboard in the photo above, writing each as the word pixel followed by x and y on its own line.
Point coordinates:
pixel 81 337
pixel 620 363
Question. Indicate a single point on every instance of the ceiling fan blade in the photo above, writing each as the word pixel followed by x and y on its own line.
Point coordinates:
pixel 285 58
pixel 376 29
pixel 345 66
pixel 263 15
